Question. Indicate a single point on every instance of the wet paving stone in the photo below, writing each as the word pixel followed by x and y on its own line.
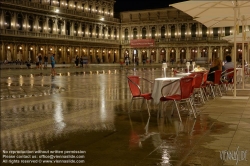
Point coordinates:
pixel 90 112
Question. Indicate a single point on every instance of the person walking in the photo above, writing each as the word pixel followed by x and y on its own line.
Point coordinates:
pixel 37 62
pixel 81 61
pixel 53 62
pixel 40 61
pixel 77 61
pixel 45 61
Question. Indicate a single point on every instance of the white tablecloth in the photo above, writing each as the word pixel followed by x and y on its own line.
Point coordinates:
pixel 182 74
pixel 169 90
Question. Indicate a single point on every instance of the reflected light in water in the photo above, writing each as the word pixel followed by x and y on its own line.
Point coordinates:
pixel 102 98
pixel 21 81
pixel 165 156
pixel 58 117
pixel 31 82
pixel 9 81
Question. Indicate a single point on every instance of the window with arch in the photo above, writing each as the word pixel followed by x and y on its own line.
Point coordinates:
pixel 227 31
pixel 144 32
pixel 40 28
pixel 240 29
pixel 115 33
pixel 97 31
pixel 90 8
pixel 134 33
pixel 172 31
pixel 163 31
pixel 83 30
pixel 215 32
pixel 75 29
pixel 67 2
pixel 193 30
pixel 90 31
pixel 103 32
pixel 75 5
pixel 8 20
pixel 204 31
pixel 109 33
pixel 183 30
pixel 68 28
pixel 50 26
pixel 204 52
pixel 83 7
pixel 126 34
pixel 31 22
pixel 20 22
pixel 103 9
pixel 59 26
pixel 153 31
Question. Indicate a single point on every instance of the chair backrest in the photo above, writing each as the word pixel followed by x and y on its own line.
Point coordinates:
pixel 198 79
pixel 217 76
pixel 230 74
pixel 186 86
pixel 205 77
pixel 133 82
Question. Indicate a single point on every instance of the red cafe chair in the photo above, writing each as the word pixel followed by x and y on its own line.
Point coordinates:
pixel 198 81
pixel 186 86
pixel 204 85
pixel 227 79
pixel 136 91
pixel 217 82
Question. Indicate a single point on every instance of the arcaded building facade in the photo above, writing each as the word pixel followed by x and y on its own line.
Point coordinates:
pixel 88 28
pixel 64 27
pixel 176 35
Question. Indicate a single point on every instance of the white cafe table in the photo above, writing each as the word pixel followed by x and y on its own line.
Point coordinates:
pixel 169 90
pixel 182 74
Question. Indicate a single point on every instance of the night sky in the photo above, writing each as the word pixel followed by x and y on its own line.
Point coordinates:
pixel 129 5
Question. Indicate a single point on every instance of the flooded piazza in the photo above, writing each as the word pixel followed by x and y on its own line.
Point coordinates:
pixel 81 117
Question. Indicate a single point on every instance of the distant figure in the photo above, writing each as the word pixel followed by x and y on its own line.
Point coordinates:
pixel 28 64
pixel 127 61
pixel 37 62
pixel 144 61
pixel 77 61
pixel 229 64
pixel 53 62
pixel 45 61
pixel 172 61
pixel 81 61
pixel 98 60
pixel 40 61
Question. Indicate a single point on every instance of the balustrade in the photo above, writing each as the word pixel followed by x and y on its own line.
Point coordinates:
pixel 9 32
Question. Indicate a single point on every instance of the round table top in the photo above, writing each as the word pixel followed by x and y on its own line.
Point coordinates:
pixel 167 78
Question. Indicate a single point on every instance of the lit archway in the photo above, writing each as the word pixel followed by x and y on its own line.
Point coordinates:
pixel 163 57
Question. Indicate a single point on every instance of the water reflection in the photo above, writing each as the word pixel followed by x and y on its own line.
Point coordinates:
pixel 58 116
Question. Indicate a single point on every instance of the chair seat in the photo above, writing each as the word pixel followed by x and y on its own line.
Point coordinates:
pixel 209 82
pixel 173 97
pixel 146 96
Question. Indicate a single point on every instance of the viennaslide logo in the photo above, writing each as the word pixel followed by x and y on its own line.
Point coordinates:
pixel 236 155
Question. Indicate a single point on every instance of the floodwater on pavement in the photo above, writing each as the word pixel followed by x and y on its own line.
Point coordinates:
pixel 89 112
